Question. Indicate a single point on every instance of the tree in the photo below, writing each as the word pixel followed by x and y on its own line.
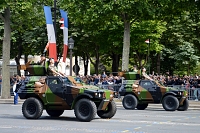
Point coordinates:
pixel 5 16
pixel 22 12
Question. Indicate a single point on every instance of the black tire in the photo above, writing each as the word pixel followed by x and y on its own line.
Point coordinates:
pixel 170 103
pixel 109 112
pixel 130 102
pixel 32 108
pixel 54 113
pixel 185 106
pixel 142 106
pixel 85 110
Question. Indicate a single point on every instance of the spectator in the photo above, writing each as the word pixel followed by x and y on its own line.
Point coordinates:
pixel 97 79
pixel 104 74
pixel 18 80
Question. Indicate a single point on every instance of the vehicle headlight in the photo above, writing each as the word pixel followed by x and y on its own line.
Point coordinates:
pixel 98 94
pixel 111 95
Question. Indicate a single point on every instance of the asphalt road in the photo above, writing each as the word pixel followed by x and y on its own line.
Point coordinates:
pixel 152 120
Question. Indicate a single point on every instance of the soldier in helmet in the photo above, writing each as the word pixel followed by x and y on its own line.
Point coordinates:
pixel 52 70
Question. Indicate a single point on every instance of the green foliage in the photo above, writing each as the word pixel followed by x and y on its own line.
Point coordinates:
pixel 98 29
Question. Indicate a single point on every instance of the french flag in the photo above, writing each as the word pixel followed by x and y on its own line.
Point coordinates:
pixel 65 33
pixel 51 33
pixel 147 41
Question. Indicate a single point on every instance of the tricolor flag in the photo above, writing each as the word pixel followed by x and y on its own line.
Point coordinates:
pixel 65 33
pixel 62 23
pixel 51 33
pixel 147 41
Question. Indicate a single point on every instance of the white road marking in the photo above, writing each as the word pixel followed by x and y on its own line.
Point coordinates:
pixel 137 128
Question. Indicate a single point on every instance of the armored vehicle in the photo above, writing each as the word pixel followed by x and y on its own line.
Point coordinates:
pixel 56 94
pixel 138 93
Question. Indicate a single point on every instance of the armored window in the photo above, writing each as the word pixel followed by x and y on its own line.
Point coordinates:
pixel 145 83
pixel 54 81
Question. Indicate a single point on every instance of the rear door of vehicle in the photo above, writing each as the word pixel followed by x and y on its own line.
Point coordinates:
pixel 55 92
pixel 69 92
pixel 152 91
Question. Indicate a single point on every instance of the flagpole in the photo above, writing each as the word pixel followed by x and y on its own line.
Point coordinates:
pixel 55 18
pixel 148 56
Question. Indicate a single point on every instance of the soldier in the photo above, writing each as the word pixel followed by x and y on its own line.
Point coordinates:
pixel 52 70
pixel 145 76
pixel 42 60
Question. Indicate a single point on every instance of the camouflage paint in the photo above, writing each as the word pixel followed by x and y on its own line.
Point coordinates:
pixel 36 70
pixel 59 95
pixel 130 75
pixel 81 91
pixel 106 101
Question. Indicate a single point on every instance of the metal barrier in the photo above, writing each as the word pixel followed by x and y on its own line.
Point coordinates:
pixel 114 87
pixel 193 93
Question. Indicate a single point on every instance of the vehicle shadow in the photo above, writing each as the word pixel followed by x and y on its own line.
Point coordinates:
pixel 61 118
pixel 147 109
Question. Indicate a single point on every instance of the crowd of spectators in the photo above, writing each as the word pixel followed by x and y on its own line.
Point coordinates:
pixel 101 79
pixel 191 83
pixel 166 80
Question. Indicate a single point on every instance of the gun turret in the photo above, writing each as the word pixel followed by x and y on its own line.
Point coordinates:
pixel 130 75
pixel 34 70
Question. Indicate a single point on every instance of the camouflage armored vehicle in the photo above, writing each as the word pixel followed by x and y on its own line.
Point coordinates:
pixel 138 93
pixel 56 94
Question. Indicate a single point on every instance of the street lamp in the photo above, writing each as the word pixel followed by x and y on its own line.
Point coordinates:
pixel 71 46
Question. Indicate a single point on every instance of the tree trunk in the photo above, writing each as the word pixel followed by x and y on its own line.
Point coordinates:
pixel 158 63
pixel 188 69
pixel 96 63
pixel 17 58
pixel 126 44
pixel 25 61
pixel 97 66
pixel 115 63
pixel 5 88
pixel 86 61
pixel 18 64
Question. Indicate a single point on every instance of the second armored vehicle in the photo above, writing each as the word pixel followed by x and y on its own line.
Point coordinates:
pixel 139 93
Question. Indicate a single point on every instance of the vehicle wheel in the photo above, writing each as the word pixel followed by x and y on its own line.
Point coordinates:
pixel 129 102
pixel 32 108
pixel 109 112
pixel 54 113
pixel 185 106
pixel 170 103
pixel 142 106
pixel 85 110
